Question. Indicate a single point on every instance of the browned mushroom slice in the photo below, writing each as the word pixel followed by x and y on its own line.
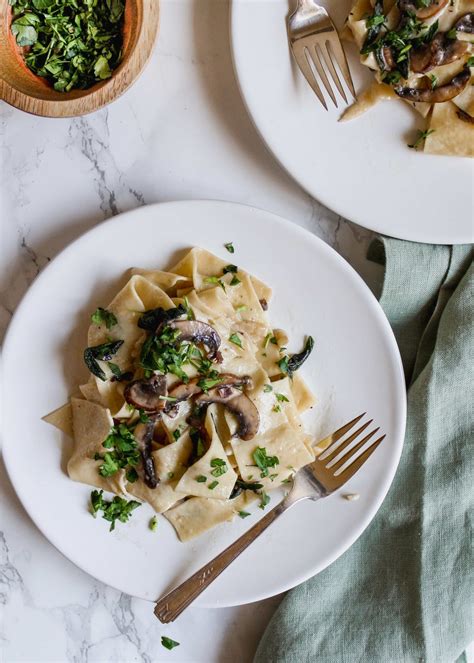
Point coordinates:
pixel 422 12
pixel 465 23
pixel 438 94
pixel 441 51
pixel 144 437
pixel 198 332
pixel 183 391
pixel 147 394
pixel 239 404
pixel 465 117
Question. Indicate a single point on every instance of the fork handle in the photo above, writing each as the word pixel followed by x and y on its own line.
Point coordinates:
pixel 172 605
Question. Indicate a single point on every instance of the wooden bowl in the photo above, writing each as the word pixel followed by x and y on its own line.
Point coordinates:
pixel 21 88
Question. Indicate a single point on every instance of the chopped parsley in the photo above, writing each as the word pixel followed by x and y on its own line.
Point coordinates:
pixel 219 467
pixel 176 434
pixel 470 62
pixel 153 524
pixel 213 484
pixel 422 136
pixel 102 316
pixel 122 452
pixel 269 338
pixel 201 478
pixel 215 280
pixel 282 398
pixel 71 44
pixel 267 388
pixel 263 461
pixel 236 340
pixel 116 509
pixel 230 247
pixel 235 280
pixel 264 500
pixel 230 269
pixel 168 643
pixel 276 408
pixel 207 383
pixel 244 514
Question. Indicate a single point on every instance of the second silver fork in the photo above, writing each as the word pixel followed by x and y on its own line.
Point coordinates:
pixel 316 47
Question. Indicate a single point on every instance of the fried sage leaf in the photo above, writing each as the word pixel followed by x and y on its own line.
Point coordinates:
pixel 103 352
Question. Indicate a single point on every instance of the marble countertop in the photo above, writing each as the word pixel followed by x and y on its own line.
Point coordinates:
pixel 180 132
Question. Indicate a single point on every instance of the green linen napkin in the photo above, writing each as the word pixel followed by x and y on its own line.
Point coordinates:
pixel 403 593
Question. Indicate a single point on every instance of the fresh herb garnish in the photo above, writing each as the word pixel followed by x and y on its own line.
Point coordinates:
pixel 230 247
pixel 176 434
pixel 269 338
pixel 235 280
pixel 288 365
pixel 207 383
pixel 230 269
pixel 241 485
pixel 422 136
pixel 117 509
pixel 201 478
pixel 244 514
pixel 153 524
pixel 71 44
pixel 150 320
pixel 102 316
pixel 170 475
pixel 220 467
pixel 434 81
pixel 282 398
pixel 215 280
pixel 241 308
pixel 470 62
pixel 213 484
pixel 263 461
pixel 103 352
pixel 267 388
pixel 276 408
pixel 236 340
pixel 264 500
pixel 122 451
pixel 168 643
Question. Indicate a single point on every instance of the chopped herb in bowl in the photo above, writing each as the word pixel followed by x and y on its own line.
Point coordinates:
pixel 73 44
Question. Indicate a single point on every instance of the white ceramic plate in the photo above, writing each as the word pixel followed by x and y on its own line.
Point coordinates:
pixel 361 169
pixel 355 367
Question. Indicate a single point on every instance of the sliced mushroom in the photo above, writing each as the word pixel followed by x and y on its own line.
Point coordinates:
pixel 198 332
pixel 465 117
pixel 239 404
pixel 144 437
pixel 147 394
pixel 422 12
pixel 439 94
pixel 184 391
pixel 385 59
pixel 465 23
pixel 441 51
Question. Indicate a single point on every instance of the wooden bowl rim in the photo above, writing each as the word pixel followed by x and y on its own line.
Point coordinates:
pixel 103 93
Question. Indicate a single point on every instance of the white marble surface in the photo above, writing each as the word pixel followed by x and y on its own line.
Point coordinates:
pixel 181 132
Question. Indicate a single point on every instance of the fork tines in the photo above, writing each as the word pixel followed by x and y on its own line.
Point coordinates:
pixel 337 455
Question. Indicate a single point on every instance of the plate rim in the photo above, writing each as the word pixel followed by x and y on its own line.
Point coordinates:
pixel 441 238
pixel 400 423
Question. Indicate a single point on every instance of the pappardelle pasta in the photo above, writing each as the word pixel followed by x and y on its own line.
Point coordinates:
pixel 421 51
pixel 193 403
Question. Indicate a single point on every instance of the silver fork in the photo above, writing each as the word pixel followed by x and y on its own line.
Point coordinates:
pixel 315 43
pixel 319 479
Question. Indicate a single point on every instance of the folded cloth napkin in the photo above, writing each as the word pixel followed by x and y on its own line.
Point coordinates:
pixel 403 593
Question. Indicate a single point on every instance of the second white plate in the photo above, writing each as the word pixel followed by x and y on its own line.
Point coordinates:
pixel 362 169
pixel 355 367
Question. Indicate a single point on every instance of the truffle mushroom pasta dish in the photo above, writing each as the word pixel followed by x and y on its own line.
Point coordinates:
pixel 421 52
pixel 193 402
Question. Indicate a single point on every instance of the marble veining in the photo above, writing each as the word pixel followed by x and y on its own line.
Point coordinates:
pixel 180 132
